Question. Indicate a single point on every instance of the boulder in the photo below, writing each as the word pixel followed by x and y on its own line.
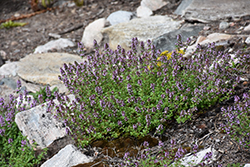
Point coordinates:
pixel 93 32
pixel 142 28
pixel 167 41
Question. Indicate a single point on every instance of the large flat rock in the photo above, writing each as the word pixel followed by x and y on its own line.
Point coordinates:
pixel 213 10
pixel 142 28
pixel 44 68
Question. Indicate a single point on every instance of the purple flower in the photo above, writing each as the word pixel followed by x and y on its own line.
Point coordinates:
pixel 19 85
pixel 134 126
pixel 145 144
pixel 119 123
pixel 139 82
pixel 2 131
pixel 126 155
pixel 10 140
pixel 23 143
pixel 161 144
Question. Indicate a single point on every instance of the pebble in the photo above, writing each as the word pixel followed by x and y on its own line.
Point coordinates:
pixel 223 25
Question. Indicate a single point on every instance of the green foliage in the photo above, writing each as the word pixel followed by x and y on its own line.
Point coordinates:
pixel 10 24
pixel 46 2
pixel 45 93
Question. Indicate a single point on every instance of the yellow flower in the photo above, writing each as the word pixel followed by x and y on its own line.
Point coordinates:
pixel 168 55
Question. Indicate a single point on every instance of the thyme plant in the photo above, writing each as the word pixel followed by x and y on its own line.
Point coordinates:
pixel 118 95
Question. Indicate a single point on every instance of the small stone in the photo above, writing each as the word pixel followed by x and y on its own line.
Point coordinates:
pixel 247 28
pixel 119 17
pixel 3 55
pixel 14 43
pixel 223 25
pixel 245 83
pixel 54 35
pixel 143 11
pixel 247 40
pixel 54 44
pixel 153 5
pixel 207 28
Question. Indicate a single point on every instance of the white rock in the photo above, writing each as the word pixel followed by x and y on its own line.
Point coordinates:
pixel 93 32
pixel 247 165
pixel 67 157
pixel 247 40
pixel 119 17
pixel 143 11
pixel 9 69
pixel 55 44
pixel 153 4
pixel 54 35
pixel 247 28
pixel 195 160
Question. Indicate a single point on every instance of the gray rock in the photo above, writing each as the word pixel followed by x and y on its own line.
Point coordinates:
pixel 41 126
pixel 142 28
pixel 55 44
pixel 212 10
pixel 93 32
pixel 9 69
pixel 10 82
pixel 168 40
pixel 223 25
pixel 67 157
pixel 44 68
pixel 143 11
pixel 119 17
pixel 153 4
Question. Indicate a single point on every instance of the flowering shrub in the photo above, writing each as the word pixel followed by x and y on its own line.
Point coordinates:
pixel 117 95
pixel 15 148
